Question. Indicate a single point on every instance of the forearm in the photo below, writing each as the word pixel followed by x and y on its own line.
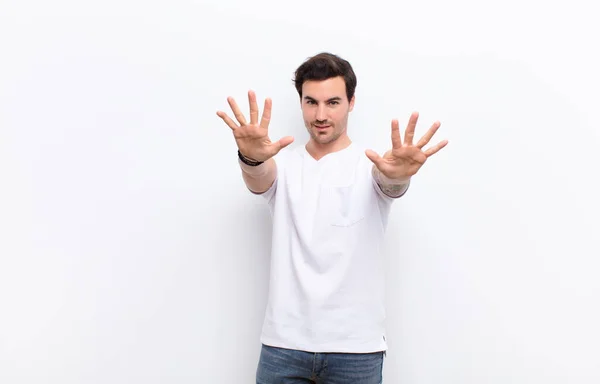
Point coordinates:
pixel 391 187
pixel 259 179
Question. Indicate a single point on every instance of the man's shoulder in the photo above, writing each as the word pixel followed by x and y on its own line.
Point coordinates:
pixel 288 155
pixel 357 152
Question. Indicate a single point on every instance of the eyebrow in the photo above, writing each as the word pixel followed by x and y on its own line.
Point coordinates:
pixel 336 98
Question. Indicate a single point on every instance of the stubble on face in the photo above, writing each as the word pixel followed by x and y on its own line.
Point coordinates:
pixel 324 136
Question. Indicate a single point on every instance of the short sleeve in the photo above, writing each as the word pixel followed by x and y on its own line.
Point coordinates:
pixel 269 194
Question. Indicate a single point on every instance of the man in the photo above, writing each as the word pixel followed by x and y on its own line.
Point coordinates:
pixel 329 202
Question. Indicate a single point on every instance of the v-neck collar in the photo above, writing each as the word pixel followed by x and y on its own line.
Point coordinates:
pixel 328 155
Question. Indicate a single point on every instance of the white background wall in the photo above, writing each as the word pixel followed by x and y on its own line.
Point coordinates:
pixel 131 252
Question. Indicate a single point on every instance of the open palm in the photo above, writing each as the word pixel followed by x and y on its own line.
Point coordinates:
pixel 253 138
pixel 405 158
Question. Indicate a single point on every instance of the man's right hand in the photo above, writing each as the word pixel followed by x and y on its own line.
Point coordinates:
pixel 251 137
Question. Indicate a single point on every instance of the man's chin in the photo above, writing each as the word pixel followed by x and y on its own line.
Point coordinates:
pixel 324 138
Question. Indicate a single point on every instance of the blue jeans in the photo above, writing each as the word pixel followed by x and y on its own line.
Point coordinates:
pixel 287 366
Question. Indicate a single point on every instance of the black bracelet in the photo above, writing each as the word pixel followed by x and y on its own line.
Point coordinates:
pixel 245 160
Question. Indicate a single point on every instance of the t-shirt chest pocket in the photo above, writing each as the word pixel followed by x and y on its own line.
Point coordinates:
pixel 343 205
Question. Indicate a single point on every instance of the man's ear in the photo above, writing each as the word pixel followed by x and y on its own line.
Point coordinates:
pixel 352 103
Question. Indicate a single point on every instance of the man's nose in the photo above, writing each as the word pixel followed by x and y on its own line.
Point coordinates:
pixel 321 113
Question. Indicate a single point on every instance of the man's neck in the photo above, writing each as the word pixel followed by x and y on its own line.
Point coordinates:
pixel 317 150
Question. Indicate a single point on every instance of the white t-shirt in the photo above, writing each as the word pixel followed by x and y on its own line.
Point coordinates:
pixel 326 290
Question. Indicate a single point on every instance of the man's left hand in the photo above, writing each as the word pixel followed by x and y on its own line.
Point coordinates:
pixel 405 159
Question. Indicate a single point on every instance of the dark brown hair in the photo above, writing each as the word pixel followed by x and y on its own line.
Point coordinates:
pixel 324 66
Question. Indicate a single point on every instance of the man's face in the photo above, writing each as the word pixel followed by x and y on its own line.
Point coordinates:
pixel 325 109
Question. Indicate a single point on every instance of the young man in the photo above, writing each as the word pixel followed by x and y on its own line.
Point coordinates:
pixel 329 202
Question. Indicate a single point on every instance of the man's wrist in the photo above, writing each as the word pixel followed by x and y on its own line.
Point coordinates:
pixel 248 161
pixel 391 187
pixel 383 179
pixel 254 170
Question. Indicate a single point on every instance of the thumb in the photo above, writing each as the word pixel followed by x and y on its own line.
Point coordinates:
pixel 285 141
pixel 374 157
pixel 282 143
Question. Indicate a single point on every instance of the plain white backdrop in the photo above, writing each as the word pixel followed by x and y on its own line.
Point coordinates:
pixel 131 252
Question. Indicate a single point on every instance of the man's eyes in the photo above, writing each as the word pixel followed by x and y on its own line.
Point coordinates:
pixel 331 102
